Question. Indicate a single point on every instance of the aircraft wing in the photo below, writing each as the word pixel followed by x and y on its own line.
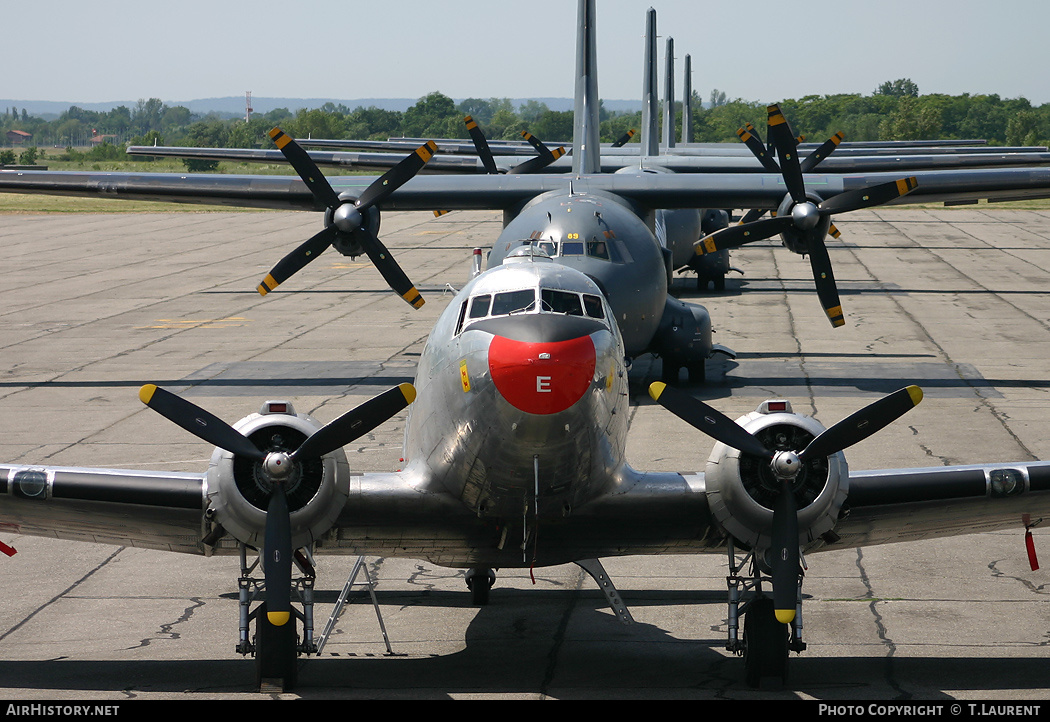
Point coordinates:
pixel 339 159
pixel 471 164
pixel 914 504
pixel 154 510
pixel 503 192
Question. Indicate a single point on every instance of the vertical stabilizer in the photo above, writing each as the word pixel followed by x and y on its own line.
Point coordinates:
pixel 669 129
pixel 687 102
pixel 650 100
pixel 586 151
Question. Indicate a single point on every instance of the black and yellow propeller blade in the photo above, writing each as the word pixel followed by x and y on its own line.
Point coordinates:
pixel 277 534
pixel 784 557
pixel 347 217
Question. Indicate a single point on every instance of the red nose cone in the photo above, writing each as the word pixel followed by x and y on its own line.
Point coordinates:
pixel 542 378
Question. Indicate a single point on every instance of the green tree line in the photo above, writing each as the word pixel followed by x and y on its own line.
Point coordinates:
pixel 894 111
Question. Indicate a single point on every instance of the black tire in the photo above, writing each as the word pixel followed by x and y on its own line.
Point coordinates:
pixel 765 644
pixel 276 654
pixel 480 583
pixel 698 373
pixel 719 283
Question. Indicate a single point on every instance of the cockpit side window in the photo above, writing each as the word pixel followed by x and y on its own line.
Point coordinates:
pixel 479 306
pixel 598 249
pixel 561 302
pixel 593 305
pixel 513 301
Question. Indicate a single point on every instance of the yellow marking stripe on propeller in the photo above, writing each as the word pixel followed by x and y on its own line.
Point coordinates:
pixel 785 616
pixel 776 117
pixel 426 152
pixel 146 393
pixel 408 391
pixel 269 283
pixel 916 395
pixel 278 619
pixel 471 123
pixel 835 314
pixel 707 246
pixel 837 138
pixel 558 153
pixel 656 388
pixel 413 297
pixel 280 138
pixel 907 185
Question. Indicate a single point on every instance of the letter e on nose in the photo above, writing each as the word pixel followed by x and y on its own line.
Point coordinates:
pixel 543 384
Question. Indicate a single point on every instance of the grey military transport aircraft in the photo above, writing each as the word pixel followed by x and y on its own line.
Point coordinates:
pixel 518 419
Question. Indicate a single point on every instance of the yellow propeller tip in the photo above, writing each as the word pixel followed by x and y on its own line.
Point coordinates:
pixel 278 619
pixel 146 393
pixel 408 391
pixel 785 616
pixel 656 388
pixel 916 395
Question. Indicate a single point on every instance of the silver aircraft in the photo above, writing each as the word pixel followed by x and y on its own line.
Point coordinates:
pixel 519 405
pixel 514 457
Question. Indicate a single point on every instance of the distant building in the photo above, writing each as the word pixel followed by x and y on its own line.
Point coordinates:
pixel 18 137
pixel 99 139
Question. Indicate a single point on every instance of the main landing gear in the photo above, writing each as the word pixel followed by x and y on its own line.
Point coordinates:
pixel 766 642
pixel 276 648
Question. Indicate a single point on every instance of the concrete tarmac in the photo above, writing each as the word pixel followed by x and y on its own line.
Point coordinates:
pixel 94 306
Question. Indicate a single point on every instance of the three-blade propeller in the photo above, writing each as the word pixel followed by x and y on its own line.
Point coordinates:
pixel 785 465
pixel 276 466
pixel 811 219
pixel 347 217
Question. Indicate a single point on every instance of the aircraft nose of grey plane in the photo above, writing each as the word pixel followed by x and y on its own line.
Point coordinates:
pixel 544 373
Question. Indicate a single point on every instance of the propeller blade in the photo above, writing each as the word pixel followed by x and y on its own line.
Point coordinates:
pixel 758 148
pixel 738 235
pixel 624 139
pixel 784 554
pixel 482 146
pixel 397 176
pixel 707 419
pixel 827 148
pixel 867 197
pixel 391 272
pixel 827 291
pixel 752 215
pixel 297 260
pixel 304 165
pixel 536 143
pixel 357 422
pixel 863 423
pixel 200 423
pixel 277 565
pixel 784 141
pixel 534 164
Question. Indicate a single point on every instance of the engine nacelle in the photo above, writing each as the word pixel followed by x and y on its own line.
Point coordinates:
pixel 741 488
pixel 238 492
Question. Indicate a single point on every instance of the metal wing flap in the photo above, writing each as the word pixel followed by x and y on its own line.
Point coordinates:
pixel 155 510
pixel 340 159
pixel 914 504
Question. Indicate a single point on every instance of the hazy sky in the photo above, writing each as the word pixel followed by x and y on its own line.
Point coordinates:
pixel 107 50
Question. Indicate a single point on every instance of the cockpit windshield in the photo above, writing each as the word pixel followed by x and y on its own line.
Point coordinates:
pixel 506 303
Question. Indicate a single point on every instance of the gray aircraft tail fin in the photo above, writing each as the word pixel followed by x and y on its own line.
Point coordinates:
pixel 586 150
pixel 650 102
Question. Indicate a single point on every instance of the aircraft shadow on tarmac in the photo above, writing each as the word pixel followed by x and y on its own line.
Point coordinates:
pixel 521 644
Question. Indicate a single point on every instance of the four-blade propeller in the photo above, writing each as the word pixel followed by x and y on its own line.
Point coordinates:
pixel 276 466
pixel 812 220
pixel 785 465
pixel 346 218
